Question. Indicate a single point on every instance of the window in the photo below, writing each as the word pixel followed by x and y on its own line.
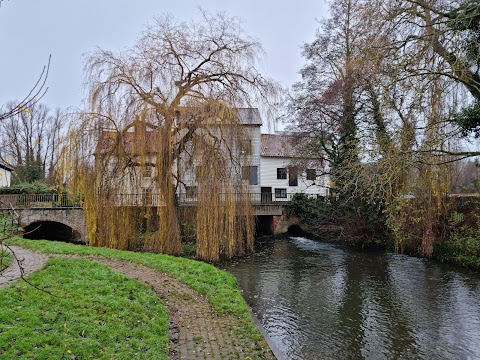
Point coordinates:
pixel 311 174
pixel 198 173
pixel 147 171
pixel 280 193
pixel 245 147
pixel 147 196
pixel 250 173
pixel 281 173
pixel 192 191
pixel 293 176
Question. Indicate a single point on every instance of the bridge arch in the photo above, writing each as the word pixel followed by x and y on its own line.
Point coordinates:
pixel 54 224
pixel 295 230
pixel 51 230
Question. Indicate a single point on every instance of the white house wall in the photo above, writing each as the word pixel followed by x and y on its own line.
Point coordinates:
pixel 268 178
pixel 5 177
pixel 251 132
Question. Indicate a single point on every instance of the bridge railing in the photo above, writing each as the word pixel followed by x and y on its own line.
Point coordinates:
pixel 192 199
pixel 20 201
pixel 255 198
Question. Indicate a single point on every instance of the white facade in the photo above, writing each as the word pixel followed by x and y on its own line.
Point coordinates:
pixel 285 171
pixel 281 181
pixel 248 155
pixel 5 175
pixel 244 165
pixel 265 164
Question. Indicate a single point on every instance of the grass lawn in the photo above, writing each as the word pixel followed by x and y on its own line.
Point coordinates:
pixel 5 259
pixel 218 286
pixel 92 313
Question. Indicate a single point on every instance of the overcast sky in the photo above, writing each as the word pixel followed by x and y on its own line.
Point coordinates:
pixel 32 29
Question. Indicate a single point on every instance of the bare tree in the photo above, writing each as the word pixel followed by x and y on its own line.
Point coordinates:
pixel 34 96
pixel 377 94
pixel 440 38
pixel 31 141
pixel 327 100
pixel 177 89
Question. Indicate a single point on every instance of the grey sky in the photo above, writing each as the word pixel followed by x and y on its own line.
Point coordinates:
pixel 32 29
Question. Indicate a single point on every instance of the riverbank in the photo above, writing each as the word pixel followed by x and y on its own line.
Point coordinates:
pixel 68 279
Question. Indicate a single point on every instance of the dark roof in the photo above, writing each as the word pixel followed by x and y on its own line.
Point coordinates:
pixel 249 116
pixel 277 146
pixel 132 143
pixel 145 141
pixel 5 166
pixel 288 146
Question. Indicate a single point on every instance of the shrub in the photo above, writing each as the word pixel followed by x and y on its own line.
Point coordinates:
pixel 30 188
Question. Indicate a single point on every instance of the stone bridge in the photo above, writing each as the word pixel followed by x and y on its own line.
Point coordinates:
pixel 56 218
pixel 46 216
pixel 67 224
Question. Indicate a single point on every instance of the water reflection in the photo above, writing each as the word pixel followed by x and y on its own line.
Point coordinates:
pixel 320 301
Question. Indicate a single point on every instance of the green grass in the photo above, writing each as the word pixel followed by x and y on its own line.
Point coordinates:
pixel 218 286
pixel 92 312
pixel 5 259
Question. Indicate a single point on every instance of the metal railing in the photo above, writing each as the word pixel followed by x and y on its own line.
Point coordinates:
pixel 184 199
pixel 22 201
pixel 19 201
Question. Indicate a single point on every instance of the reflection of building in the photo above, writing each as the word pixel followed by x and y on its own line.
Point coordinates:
pixel 5 174
pixel 285 170
pixel 265 164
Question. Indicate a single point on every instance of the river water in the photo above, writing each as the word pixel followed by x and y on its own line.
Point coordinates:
pixel 322 301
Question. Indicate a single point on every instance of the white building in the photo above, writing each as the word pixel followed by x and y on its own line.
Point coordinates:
pixel 5 174
pixel 141 145
pixel 284 171
pixel 246 166
pixel 267 164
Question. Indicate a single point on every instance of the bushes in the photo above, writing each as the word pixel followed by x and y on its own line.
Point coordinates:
pixel 462 247
pixel 349 220
pixel 30 188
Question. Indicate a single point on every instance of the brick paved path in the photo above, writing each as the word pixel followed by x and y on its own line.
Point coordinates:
pixel 30 261
pixel 196 331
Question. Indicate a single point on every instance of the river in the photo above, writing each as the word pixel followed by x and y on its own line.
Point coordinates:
pixel 322 301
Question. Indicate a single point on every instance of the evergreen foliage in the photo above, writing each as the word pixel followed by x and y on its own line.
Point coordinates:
pixel 36 187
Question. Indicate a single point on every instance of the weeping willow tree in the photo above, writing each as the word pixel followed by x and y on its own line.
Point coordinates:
pixel 164 129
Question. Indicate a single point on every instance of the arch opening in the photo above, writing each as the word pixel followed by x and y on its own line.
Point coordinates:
pixel 295 230
pixel 264 225
pixel 51 230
